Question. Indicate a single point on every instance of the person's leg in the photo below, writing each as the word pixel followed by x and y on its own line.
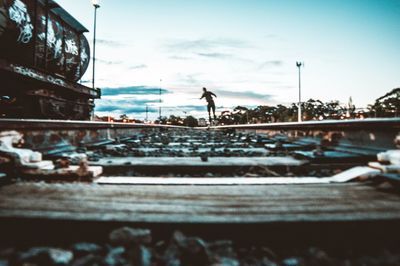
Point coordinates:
pixel 209 109
pixel 213 110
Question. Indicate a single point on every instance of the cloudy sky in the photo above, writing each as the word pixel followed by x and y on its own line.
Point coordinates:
pixel 245 51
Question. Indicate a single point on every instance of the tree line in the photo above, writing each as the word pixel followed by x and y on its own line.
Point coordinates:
pixel 386 106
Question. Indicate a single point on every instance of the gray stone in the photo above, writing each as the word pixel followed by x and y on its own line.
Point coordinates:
pixel 224 261
pixel 115 257
pixel 179 238
pixel 319 257
pixel 141 256
pixel 193 250
pixel 292 262
pixel 89 260
pixel 46 256
pixel 171 255
pixel 173 262
pixel 222 248
pixel 126 236
pixel 204 157
pixel 267 262
pixel 82 249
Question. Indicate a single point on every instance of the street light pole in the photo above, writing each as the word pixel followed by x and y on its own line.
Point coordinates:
pixel 96 5
pixel 159 108
pixel 299 64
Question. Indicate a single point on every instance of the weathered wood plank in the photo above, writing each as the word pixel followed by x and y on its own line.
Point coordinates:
pixel 124 180
pixel 197 162
pixel 342 177
pixel 199 204
pixel 260 151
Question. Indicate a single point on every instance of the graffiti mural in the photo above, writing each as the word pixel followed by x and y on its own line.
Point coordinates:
pixel 71 47
pixel 85 54
pixel 50 42
pixel 54 40
pixel 72 56
pixel 18 13
pixel 43 54
pixel 25 71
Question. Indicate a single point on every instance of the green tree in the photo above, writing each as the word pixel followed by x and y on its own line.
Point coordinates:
pixel 190 121
pixel 123 116
pixel 387 105
pixel 174 120
pixel 225 118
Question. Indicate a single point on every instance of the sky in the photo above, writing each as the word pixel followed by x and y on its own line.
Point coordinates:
pixel 245 51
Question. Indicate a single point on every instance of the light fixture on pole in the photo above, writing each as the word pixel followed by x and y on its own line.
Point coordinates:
pixel 299 64
pixel 96 5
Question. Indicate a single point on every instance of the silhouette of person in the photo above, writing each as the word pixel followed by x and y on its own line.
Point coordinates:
pixel 210 102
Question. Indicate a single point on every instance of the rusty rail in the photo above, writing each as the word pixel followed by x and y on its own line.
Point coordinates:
pixel 366 124
pixel 43 124
pixel 374 134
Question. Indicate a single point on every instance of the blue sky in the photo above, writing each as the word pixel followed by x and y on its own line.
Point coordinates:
pixel 244 51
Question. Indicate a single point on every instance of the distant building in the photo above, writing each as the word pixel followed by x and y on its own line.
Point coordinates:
pixel 117 120
pixel 103 118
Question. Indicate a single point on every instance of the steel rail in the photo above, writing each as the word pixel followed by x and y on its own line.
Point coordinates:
pixel 370 123
pixel 43 124
pixel 374 134
pixel 353 124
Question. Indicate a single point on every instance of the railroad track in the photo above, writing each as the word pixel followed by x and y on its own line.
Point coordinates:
pixel 287 186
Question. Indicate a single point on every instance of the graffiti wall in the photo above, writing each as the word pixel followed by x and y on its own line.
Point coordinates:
pixel 33 35
pixel 18 13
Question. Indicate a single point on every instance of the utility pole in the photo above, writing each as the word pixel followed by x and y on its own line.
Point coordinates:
pixel 299 64
pixel 159 108
pixel 96 5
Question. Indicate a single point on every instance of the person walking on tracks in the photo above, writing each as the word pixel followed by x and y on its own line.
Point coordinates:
pixel 210 102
